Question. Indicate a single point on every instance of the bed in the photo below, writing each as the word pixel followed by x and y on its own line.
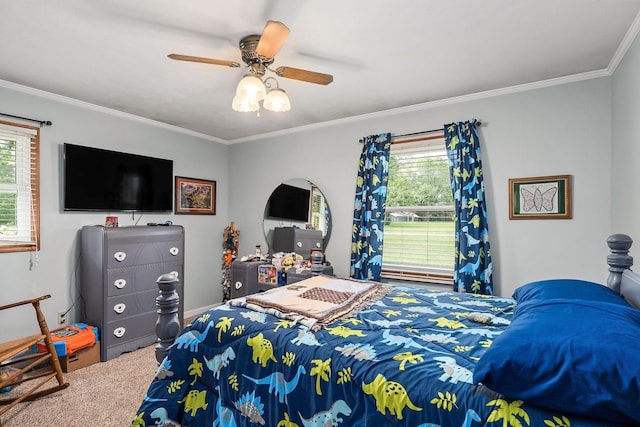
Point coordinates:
pixel 559 353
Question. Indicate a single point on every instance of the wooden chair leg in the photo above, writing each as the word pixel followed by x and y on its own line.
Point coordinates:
pixel 44 328
pixel 16 352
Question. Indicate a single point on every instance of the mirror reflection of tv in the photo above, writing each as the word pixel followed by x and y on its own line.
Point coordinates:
pixel 289 203
pixel 102 180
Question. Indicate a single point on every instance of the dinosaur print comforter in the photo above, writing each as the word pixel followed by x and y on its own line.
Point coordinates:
pixel 407 360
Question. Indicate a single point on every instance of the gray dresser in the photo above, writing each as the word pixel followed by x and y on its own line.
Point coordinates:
pixel 298 240
pixel 119 269
pixel 244 278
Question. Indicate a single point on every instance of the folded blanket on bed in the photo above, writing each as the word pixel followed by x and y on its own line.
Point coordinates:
pixel 316 301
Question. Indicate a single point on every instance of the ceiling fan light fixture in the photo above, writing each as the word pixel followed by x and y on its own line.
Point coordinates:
pixel 251 87
pixel 277 101
pixel 258 52
pixel 244 105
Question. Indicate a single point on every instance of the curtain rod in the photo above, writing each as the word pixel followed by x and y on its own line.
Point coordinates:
pixel 478 124
pixel 42 122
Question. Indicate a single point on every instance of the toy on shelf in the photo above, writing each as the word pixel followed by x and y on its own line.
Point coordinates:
pixel 258 255
pixel 287 260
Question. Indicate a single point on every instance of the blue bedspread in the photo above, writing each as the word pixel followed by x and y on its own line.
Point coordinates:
pixel 405 361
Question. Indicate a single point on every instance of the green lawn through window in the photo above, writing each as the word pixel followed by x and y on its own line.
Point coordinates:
pixel 408 243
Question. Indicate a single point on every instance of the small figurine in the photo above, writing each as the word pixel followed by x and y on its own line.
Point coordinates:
pixel 287 262
pixel 228 258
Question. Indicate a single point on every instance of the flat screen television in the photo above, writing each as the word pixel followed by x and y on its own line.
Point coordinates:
pixel 290 203
pixel 103 180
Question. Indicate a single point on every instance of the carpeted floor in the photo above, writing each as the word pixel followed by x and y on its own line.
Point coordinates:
pixel 104 394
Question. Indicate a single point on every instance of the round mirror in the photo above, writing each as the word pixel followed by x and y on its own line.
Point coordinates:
pixel 297 203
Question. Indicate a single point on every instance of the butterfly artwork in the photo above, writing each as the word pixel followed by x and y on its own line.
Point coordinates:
pixel 538 198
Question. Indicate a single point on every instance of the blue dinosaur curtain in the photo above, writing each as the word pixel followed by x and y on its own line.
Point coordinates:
pixel 368 212
pixel 473 267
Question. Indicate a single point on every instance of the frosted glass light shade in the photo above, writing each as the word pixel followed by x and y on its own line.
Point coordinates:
pixel 277 100
pixel 251 87
pixel 244 105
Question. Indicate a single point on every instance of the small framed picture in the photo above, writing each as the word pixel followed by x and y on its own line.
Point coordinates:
pixel 195 196
pixel 540 197
pixel 111 221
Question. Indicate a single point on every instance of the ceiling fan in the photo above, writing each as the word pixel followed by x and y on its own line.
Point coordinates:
pixel 259 51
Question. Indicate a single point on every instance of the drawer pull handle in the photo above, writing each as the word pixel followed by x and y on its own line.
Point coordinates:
pixel 174 251
pixel 238 285
pixel 120 283
pixel 318 245
pixel 120 256
pixel 119 308
pixel 119 332
pixel 299 244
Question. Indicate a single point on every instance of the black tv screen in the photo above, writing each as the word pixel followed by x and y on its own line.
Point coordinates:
pixel 289 202
pixel 103 180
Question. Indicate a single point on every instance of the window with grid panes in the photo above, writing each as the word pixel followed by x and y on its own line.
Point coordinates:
pixel 19 187
pixel 419 235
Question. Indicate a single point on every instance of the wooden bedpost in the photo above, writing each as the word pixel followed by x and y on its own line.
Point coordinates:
pixel 619 259
pixel 316 263
pixel 168 323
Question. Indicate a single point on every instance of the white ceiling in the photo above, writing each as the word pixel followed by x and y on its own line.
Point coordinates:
pixel 383 54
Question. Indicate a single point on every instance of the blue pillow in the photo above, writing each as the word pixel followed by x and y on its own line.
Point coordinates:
pixel 578 357
pixel 567 289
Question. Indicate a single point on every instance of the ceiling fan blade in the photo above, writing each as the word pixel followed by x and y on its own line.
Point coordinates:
pixel 213 61
pixel 272 38
pixel 304 75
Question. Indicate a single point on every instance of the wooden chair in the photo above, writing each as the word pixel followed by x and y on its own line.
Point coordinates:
pixel 17 352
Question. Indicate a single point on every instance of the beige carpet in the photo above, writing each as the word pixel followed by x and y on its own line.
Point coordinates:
pixel 103 394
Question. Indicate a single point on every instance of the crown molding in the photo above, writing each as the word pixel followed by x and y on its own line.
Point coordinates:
pixel 110 111
pixel 626 43
pixel 353 119
pixel 433 104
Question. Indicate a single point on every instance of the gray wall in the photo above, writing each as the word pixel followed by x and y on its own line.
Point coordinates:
pixel 626 146
pixel 556 130
pixel 57 265
pixel 576 128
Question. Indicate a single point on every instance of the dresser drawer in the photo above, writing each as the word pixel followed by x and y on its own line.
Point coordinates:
pixel 121 281
pixel 128 329
pixel 124 254
pixel 128 305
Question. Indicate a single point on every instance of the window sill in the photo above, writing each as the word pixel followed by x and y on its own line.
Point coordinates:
pixel 418 276
pixel 420 284
pixel 21 247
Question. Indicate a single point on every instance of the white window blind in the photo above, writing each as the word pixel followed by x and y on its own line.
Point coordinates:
pixel 19 187
pixel 419 237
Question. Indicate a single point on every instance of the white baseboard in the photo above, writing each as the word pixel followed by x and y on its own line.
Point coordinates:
pixel 192 313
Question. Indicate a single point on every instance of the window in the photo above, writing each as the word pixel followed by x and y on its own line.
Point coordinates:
pixel 319 211
pixel 19 187
pixel 419 230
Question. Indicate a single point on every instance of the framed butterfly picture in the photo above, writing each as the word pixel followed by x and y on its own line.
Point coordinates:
pixel 540 197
